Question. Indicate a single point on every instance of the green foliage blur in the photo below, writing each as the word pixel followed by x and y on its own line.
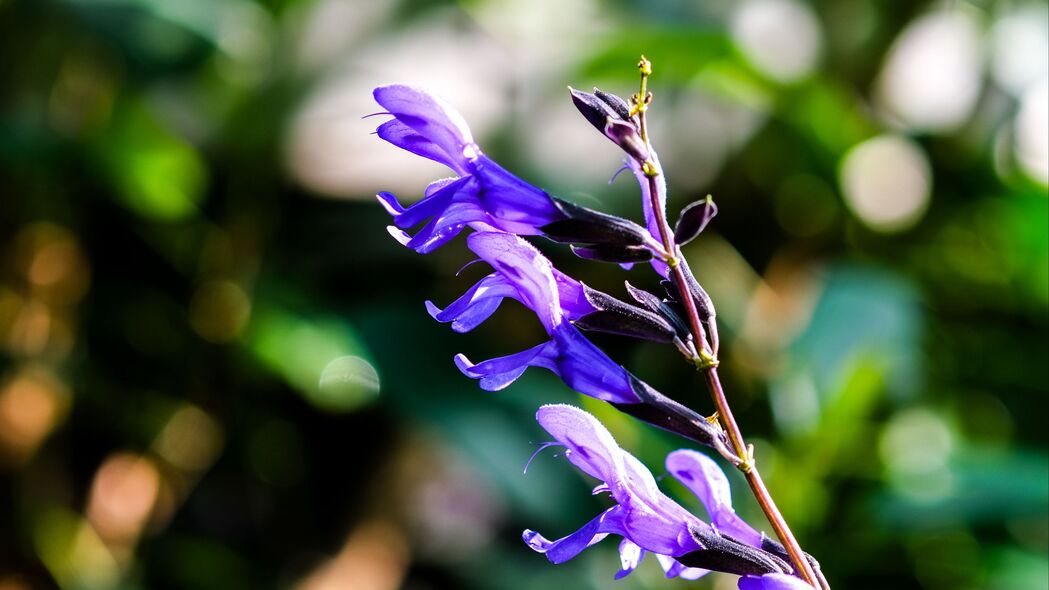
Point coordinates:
pixel 216 370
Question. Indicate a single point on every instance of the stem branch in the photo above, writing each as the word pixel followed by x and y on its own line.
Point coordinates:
pixel 707 362
pixel 724 412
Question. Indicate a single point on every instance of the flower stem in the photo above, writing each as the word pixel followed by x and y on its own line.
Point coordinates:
pixel 724 412
pixel 707 362
pixel 757 485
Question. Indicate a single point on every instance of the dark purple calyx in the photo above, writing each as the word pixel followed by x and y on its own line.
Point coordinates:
pixel 722 553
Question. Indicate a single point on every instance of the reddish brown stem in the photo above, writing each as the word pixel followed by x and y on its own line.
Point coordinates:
pixel 705 353
pixel 728 421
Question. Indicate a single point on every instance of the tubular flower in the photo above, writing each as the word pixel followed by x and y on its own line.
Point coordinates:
pixel 522 273
pixel 649 521
pixel 561 304
pixel 484 195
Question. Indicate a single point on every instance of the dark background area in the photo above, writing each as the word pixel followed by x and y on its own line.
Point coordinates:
pixel 216 370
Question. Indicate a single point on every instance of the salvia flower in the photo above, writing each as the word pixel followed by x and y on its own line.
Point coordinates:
pixel 484 194
pixel 561 303
pixel 526 275
pixel 649 521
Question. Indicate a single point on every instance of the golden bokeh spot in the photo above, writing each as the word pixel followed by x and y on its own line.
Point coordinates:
pixel 32 403
pixel 219 310
pixel 190 441
pixel 54 267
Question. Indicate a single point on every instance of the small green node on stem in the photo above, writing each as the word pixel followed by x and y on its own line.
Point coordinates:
pixel 748 462
pixel 705 361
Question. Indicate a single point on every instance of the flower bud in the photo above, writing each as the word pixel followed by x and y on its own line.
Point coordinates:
pixel 593 108
pixel 626 136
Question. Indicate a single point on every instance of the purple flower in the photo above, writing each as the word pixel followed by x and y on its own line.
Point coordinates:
pixel 648 520
pixel 524 274
pixel 645 518
pixel 561 303
pixel 484 195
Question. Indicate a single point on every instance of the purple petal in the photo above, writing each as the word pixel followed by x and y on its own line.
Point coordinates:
pixel 433 120
pixel 520 207
pixel 439 184
pixel 589 446
pixel 399 235
pixel 476 305
pixel 567 547
pixel 439 195
pixel 651 221
pixel 486 196
pixel 523 273
pixel 573 300
pixel 579 363
pixel 707 481
pixel 495 374
pixel 390 203
pixel 445 226
pixel 646 204
pixel 772 582
pixel 404 137
pixel 674 569
pixel 588 370
pixel 649 518
pixel 526 268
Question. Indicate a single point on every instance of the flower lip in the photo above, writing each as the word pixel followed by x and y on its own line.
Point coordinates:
pixel 420 116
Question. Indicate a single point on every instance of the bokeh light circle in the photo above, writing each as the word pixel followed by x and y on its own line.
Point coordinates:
pixel 780 37
pixel 886 182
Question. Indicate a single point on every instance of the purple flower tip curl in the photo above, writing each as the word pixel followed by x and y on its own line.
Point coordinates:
pixel 484 195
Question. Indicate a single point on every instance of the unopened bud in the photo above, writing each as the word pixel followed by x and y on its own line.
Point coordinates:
pixel 626 136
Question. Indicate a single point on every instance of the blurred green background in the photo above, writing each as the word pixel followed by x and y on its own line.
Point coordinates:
pixel 217 372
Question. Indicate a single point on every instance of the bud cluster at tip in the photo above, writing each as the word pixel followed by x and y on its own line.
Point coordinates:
pixel 612 116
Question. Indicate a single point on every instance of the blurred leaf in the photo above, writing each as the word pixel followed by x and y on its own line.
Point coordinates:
pixel 155 174
pixel 1011 569
pixel 986 486
pixel 676 53
pixel 302 350
pixel 160 32
pixel 863 311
